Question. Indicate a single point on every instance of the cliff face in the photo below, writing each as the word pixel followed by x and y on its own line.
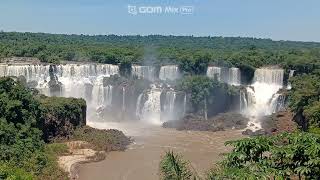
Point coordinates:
pixel 61 116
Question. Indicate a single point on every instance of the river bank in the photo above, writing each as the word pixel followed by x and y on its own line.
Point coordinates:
pixel 141 159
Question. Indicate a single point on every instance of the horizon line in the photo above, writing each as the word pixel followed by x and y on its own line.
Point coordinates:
pixel 165 35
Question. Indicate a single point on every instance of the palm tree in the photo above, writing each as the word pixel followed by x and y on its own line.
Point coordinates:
pixel 172 167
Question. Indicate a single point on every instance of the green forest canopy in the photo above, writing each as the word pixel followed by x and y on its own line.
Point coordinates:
pixel 187 51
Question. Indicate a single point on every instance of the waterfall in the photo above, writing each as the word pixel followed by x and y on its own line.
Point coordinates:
pixel 37 74
pixel 101 96
pixel 230 76
pixel 169 73
pixel 138 106
pixel 169 106
pixel 261 95
pixel 214 72
pixel 291 74
pixel 76 80
pixel 234 76
pixel 30 72
pixel 243 100
pixel 273 103
pixel 151 110
pixel 108 95
pixel 269 76
pixel 123 99
pixel 98 94
pixel 277 103
pixel 144 72
pixel 185 104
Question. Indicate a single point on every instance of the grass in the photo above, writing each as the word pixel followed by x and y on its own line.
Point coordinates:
pixel 52 171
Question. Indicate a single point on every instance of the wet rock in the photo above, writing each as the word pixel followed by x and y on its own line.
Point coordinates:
pixel 218 123
pixel 279 122
pixel 259 132
pixel 32 84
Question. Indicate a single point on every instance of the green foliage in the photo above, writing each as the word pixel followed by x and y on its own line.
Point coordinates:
pixel 8 172
pixel 191 53
pixel 280 157
pixel 125 68
pixel 195 64
pixel 21 145
pixel 60 116
pixel 172 167
pixel 304 99
pixel 23 119
pixel 102 140
pixel 52 171
pixel 203 88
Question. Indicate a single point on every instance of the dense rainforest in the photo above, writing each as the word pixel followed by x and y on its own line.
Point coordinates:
pixel 22 115
pixel 193 54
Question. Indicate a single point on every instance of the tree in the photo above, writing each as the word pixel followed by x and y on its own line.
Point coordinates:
pixel 172 167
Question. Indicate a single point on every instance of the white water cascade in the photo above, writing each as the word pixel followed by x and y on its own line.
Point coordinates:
pixel 231 76
pixel 262 95
pixel 151 109
pixel 143 72
pixel 170 72
pixel 214 72
pixel 234 76
pixel 77 80
pixel 138 106
pixel 291 74
pixel 169 106
pixel 37 73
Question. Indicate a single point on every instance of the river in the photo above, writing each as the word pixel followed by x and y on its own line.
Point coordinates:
pixel 141 159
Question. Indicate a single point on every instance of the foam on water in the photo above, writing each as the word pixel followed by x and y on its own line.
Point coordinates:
pixel 261 95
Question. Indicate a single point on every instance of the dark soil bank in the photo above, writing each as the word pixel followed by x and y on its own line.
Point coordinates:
pixel 220 122
pixel 274 124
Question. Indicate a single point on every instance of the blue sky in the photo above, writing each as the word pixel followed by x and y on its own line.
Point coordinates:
pixel 275 19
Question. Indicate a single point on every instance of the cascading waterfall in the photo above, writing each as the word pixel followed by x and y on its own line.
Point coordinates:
pixel 277 103
pixel 80 80
pixel 261 95
pixel 98 97
pixel 138 106
pixel 169 106
pixel 214 72
pixel 144 72
pixel 243 100
pixel 101 96
pixel 185 104
pixel 88 81
pixel 230 76
pixel 291 74
pixel 157 105
pixel 108 95
pixel 151 109
pixel 36 73
pixel 77 80
pixel 234 76
pixel 170 72
pixel 123 99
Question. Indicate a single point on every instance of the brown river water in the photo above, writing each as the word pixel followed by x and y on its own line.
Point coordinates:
pixel 141 160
